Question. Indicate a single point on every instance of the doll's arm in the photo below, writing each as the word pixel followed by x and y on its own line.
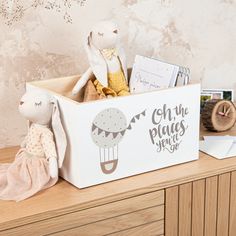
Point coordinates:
pixel 53 167
pixel 82 81
pixel 49 148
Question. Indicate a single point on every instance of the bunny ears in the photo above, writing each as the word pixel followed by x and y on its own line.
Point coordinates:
pixel 59 133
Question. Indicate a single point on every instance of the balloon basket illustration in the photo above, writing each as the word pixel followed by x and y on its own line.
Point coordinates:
pixel 108 129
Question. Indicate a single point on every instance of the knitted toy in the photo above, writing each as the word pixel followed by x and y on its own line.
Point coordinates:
pixel 36 164
pixel 107 62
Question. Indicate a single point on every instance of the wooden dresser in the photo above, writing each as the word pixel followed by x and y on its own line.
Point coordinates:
pixel 197 198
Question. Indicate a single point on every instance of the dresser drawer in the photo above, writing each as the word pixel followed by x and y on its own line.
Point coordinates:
pixel 151 229
pixel 129 224
pixel 144 208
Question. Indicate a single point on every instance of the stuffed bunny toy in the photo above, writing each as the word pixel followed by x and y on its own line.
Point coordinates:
pixel 107 62
pixel 42 152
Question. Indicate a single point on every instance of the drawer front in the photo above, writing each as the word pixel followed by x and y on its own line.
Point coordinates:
pixel 150 229
pixel 128 223
pixel 203 207
pixel 119 210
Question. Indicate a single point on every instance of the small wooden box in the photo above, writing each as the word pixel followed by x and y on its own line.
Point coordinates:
pixel 119 137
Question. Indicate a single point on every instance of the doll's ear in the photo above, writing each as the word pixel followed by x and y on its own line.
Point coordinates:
pixel 59 133
pixel 96 61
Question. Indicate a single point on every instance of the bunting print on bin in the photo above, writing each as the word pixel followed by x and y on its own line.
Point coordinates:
pixel 108 129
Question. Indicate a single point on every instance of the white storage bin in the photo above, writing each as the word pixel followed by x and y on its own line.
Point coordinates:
pixel 124 136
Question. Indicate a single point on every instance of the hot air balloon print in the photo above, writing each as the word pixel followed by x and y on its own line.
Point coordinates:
pixel 108 129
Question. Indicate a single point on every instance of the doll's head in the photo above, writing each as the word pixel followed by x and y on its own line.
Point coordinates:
pixel 37 107
pixel 41 108
pixel 104 35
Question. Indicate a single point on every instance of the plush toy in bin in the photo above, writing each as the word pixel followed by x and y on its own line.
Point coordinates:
pixel 42 152
pixel 107 62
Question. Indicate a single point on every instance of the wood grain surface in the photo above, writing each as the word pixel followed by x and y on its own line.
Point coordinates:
pixel 94 215
pixel 64 199
pixel 223 204
pixel 198 207
pixel 172 211
pixel 150 229
pixel 185 206
pixel 121 223
pixel 211 199
pixel 205 207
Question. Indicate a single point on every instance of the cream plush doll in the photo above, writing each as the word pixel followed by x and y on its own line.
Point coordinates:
pixel 36 164
pixel 107 62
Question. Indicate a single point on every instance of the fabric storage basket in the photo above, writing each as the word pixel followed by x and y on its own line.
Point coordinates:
pixel 124 136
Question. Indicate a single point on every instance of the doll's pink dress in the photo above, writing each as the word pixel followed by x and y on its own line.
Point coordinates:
pixel 29 173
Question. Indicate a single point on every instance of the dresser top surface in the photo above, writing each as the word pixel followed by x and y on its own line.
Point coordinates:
pixel 64 198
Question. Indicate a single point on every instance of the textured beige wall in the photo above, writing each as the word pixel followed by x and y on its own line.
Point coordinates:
pixel 199 34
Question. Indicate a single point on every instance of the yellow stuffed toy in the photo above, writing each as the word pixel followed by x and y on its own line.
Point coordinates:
pixel 107 62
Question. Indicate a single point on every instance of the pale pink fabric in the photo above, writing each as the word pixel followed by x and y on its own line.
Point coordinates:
pixel 24 177
pixel 29 173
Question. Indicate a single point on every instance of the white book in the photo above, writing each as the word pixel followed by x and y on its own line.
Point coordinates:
pixel 150 74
